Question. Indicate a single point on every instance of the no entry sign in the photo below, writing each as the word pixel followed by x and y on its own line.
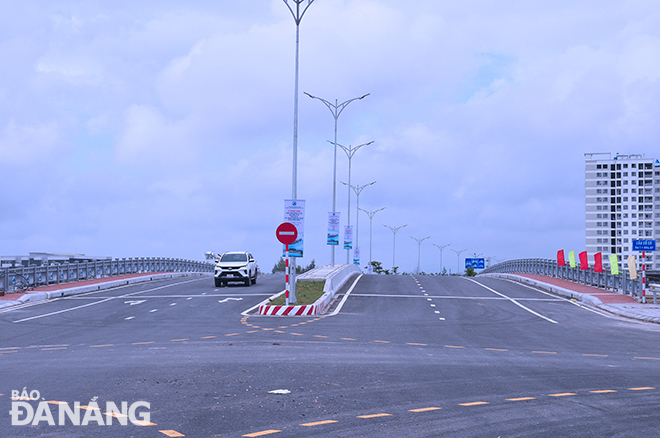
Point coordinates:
pixel 286 233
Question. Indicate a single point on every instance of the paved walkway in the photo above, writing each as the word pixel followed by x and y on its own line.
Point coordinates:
pixel 619 304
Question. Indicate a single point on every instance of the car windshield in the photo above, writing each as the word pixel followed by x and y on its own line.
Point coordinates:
pixel 234 258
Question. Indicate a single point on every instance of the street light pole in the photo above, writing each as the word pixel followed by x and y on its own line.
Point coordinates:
pixel 358 189
pixel 394 230
pixel 297 18
pixel 336 111
pixel 419 249
pixel 350 151
pixel 371 214
pixel 458 259
pixel 441 247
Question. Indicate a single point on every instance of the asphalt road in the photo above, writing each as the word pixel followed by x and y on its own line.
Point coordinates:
pixel 403 357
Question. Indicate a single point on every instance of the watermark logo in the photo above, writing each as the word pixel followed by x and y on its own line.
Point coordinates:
pixel 24 412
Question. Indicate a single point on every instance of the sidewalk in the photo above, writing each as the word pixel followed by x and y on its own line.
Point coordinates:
pixel 618 304
pixel 74 288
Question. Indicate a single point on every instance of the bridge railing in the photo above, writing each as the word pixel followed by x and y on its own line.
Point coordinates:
pixel 25 277
pixel 621 283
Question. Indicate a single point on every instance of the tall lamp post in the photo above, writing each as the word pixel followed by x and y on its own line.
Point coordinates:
pixel 458 260
pixel 297 15
pixel 350 151
pixel 419 249
pixel 358 189
pixel 394 230
pixel 371 214
pixel 441 247
pixel 336 110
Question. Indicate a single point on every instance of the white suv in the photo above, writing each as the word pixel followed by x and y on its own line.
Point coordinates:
pixel 235 266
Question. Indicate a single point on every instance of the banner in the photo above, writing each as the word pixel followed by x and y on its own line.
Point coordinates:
pixel 598 262
pixel 333 228
pixel 560 258
pixel 584 261
pixel 356 256
pixel 348 236
pixel 632 267
pixel 614 264
pixel 294 212
pixel 571 259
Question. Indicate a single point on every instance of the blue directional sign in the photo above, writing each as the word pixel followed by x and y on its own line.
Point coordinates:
pixel 478 263
pixel 643 245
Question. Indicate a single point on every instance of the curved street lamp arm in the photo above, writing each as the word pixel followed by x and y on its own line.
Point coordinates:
pixel 297 15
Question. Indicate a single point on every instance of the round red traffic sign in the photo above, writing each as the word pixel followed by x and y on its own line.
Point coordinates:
pixel 287 233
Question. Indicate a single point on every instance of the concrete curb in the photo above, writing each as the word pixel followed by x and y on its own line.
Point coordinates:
pixel 335 278
pixel 585 298
pixel 76 290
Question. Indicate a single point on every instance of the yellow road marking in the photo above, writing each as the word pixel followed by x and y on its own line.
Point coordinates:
pixel 143 343
pixel 262 433
pixel 602 391
pixel 433 408
pixel 595 355
pixel 179 340
pixel 268 329
pixel 420 345
pixel 521 399
pixel 453 346
pixel 278 331
pixel 383 342
pixel 232 334
pixel 210 337
pixel 496 349
pixel 648 358
pixel 544 352
pixel 100 346
pixel 283 327
pixel 54 348
pixel 297 334
pixel 319 336
pixel 171 433
pixel 348 339
pixel 644 388
pixel 252 331
pixel 319 423
pixel 374 416
pixel 562 394
pixel 55 402
pixel 12 351
pixel 473 403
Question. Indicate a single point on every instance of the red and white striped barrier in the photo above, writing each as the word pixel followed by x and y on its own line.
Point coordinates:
pixel 288 310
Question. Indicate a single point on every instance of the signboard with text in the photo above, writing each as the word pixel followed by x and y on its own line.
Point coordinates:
pixel 294 213
pixel 643 245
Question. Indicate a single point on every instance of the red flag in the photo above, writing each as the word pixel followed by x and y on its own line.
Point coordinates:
pixel 560 258
pixel 584 262
pixel 598 262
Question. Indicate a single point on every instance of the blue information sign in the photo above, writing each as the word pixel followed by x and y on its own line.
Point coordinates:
pixel 479 263
pixel 643 245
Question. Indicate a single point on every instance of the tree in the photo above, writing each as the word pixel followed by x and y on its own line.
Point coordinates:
pixel 469 272
pixel 377 267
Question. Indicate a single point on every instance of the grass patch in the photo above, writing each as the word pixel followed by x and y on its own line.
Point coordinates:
pixel 307 292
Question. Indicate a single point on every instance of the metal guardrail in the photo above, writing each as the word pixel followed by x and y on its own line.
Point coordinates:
pixel 27 277
pixel 620 283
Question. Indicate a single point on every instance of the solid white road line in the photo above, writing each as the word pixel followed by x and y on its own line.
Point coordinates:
pixel 101 301
pixel 514 302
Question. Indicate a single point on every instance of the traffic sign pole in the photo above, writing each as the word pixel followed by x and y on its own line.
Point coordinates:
pixel 287 274
pixel 644 277
pixel 287 233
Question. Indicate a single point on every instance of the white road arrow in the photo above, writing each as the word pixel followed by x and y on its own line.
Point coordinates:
pixel 134 302
pixel 230 299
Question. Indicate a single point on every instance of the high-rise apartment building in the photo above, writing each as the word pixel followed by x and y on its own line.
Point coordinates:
pixel 622 204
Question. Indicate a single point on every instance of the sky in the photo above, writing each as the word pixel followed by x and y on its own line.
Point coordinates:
pixel 165 128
